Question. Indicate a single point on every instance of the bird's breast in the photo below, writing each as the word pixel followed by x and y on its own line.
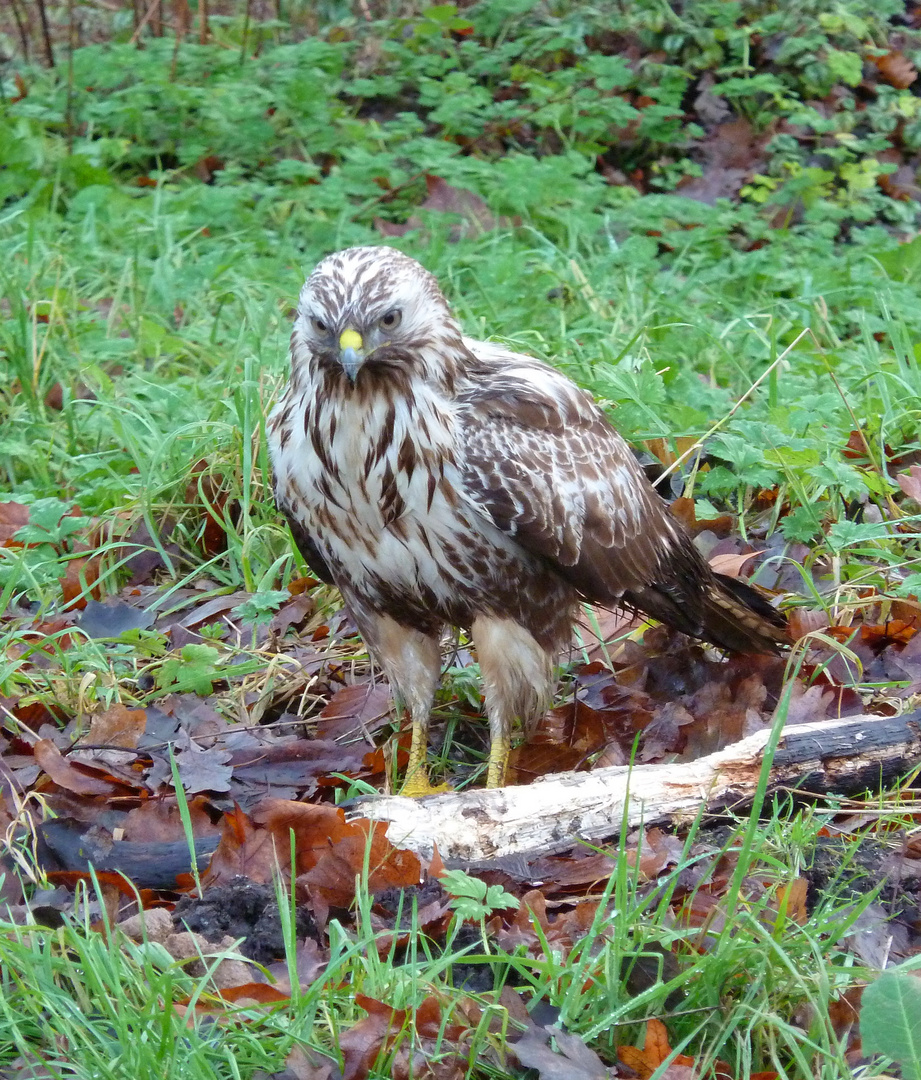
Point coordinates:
pixel 380 491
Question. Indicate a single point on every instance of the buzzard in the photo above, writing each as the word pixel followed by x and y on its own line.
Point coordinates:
pixel 440 481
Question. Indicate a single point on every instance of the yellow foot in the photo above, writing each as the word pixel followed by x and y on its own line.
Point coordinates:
pixel 498 762
pixel 417 785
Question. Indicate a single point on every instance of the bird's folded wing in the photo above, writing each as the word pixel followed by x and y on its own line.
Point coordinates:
pixel 542 462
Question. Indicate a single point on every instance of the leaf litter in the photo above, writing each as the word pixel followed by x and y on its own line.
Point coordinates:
pixel 260 760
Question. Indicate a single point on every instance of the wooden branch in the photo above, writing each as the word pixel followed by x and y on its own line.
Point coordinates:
pixel 847 756
pixel 46 33
pixel 21 27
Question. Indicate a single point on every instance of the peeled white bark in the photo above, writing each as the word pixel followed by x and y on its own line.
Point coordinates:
pixel 843 756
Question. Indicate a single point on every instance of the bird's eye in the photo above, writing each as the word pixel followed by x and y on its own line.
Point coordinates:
pixel 320 326
pixel 392 319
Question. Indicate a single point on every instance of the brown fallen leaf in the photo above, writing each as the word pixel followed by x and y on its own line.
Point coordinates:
pixel 655 1051
pixel 78 584
pixel 896 69
pixel 80 781
pixel 729 155
pixel 13 516
pixel 363 1044
pixel 295 612
pixel 597 627
pixel 211 492
pixel 573 1061
pixel 731 565
pixel 421 1053
pixel 304 1063
pixel 791 900
pixel 444 198
pixel 263 993
pixel 117 726
pixel 54 399
pixel 359 708
pixel 910 482
pixel 329 852
pixel 803 621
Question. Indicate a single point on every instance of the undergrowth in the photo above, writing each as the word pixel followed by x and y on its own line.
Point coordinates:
pixel 159 209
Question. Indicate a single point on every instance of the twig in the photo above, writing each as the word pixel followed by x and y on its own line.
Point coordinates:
pixel 245 31
pixel 21 27
pixel 203 28
pixel 148 15
pixel 46 33
pixel 182 20
pixel 754 386
pixel 69 106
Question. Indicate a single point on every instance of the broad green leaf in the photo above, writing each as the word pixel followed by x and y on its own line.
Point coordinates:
pixel 890 1020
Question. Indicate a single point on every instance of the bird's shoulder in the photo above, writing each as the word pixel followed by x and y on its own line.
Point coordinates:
pixel 512 391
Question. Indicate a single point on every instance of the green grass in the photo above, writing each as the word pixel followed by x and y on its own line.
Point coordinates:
pixel 159 314
pixel 87 1003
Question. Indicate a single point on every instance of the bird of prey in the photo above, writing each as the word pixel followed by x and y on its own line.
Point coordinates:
pixel 440 481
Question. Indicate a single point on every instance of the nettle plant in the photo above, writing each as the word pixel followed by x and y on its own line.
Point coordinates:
pixel 356 113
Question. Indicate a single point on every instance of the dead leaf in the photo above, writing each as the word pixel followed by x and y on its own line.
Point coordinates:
pixel 791 900
pixel 70 777
pixel 78 583
pixel 360 708
pixel 910 482
pixel 253 991
pixel 295 613
pixel 208 490
pixel 896 69
pixel 293 767
pixel 330 852
pixel 573 1061
pixel 304 1063
pixel 684 510
pixel 803 621
pixel 598 626
pixel 212 609
pixel 731 565
pixel 444 198
pixel 363 1044
pixel 13 516
pixel 113 618
pixel 204 770
pixel 54 398
pixel 310 961
pixel 709 107
pixel 117 726
pixel 158 820
pixel 729 155
pixel 655 1051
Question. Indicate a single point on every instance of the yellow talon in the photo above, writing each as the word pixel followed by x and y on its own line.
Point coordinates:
pixel 418 786
pixel 416 783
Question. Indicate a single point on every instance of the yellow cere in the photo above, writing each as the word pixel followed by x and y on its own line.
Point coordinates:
pixel 350 339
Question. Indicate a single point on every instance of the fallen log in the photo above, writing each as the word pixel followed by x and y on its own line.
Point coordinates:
pixel 843 757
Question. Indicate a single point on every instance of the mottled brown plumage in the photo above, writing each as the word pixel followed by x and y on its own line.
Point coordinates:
pixel 440 481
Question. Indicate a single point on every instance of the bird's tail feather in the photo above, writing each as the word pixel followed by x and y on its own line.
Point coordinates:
pixel 737 617
pixel 722 610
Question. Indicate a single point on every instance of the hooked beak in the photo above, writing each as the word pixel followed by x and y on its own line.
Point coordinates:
pixel 351 352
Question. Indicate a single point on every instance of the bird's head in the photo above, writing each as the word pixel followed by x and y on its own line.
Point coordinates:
pixel 372 313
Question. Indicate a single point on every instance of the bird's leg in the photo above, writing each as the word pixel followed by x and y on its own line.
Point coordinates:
pixel 518 683
pixel 416 782
pixel 412 663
